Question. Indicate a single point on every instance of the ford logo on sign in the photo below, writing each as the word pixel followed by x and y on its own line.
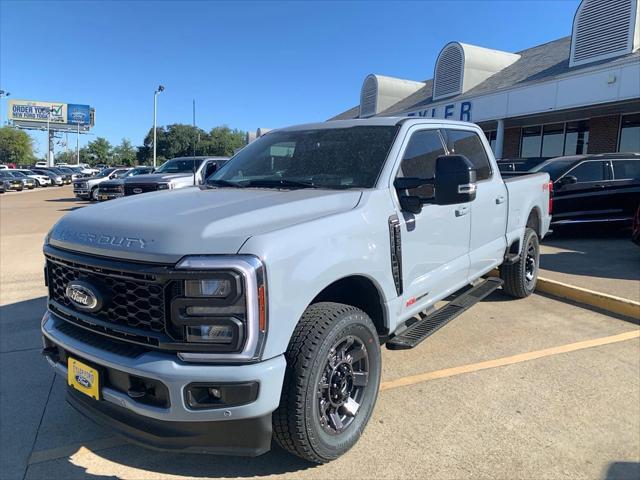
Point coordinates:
pixel 137 190
pixel 83 296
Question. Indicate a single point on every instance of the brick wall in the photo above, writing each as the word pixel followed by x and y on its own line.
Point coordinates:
pixel 511 146
pixel 603 134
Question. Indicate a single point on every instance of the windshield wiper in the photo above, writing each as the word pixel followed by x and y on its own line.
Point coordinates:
pixel 223 183
pixel 278 183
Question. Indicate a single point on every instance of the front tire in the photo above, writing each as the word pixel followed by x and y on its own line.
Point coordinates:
pixel 331 382
pixel 520 278
pixel 94 194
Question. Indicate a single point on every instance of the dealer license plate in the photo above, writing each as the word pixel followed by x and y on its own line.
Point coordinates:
pixel 83 378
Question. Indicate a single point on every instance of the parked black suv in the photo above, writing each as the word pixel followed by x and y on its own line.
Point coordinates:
pixel 594 188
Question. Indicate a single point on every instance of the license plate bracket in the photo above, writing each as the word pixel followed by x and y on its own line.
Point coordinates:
pixel 84 378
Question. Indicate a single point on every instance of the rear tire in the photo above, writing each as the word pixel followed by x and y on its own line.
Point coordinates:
pixel 331 382
pixel 520 278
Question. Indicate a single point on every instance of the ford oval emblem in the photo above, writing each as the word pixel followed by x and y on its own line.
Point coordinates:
pixel 84 381
pixel 137 190
pixel 83 296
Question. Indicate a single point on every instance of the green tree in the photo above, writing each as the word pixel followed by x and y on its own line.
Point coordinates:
pixel 66 157
pixel 223 141
pixel 125 153
pixel 16 146
pixel 179 140
pixel 98 151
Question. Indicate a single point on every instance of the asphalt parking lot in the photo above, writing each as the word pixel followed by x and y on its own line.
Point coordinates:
pixel 525 389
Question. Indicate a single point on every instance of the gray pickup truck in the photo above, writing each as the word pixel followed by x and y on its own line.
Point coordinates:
pixel 212 319
pixel 176 173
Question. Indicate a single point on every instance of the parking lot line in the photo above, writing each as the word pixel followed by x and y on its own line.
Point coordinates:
pixel 501 362
pixel 111 442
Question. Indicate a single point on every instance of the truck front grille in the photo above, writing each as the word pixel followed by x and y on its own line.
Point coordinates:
pixel 136 188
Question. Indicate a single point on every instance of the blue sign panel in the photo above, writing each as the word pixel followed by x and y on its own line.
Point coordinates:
pixel 78 114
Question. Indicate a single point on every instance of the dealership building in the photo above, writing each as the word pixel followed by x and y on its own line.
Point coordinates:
pixel 578 94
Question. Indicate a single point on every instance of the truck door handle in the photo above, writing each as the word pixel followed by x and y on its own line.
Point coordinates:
pixel 460 211
pixel 500 200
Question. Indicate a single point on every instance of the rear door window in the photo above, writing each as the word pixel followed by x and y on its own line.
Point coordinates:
pixel 626 169
pixel 467 143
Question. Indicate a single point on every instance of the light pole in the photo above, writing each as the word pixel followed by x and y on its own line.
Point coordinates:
pixel 78 145
pixel 2 94
pixel 155 114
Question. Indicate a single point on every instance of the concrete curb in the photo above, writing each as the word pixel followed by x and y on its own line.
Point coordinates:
pixel 602 301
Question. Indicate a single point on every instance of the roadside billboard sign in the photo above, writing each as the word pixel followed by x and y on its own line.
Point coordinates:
pixel 78 114
pixel 34 111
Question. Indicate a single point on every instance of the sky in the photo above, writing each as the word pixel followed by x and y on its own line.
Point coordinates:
pixel 246 64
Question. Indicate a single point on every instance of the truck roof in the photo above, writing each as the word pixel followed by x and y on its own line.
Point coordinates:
pixel 373 121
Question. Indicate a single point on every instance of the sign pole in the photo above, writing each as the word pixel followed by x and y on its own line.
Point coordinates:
pixel 49 163
pixel 78 146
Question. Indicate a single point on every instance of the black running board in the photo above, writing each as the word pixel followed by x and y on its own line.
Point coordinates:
pixel 431 323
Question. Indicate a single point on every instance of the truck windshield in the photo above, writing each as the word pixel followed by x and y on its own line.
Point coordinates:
pixel 332 158
pixel 179 165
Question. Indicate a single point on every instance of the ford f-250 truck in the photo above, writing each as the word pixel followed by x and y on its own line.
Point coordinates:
pixel 210 319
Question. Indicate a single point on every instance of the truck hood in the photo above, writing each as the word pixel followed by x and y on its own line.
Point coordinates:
pixel 157 177
pixel 165 226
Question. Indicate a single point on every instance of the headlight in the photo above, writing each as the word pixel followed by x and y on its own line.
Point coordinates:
pixel 164 186
pixel 221 307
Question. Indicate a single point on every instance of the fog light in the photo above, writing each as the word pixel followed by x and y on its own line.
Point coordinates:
pixel 203 395
pixel 219 288
pixel 219 334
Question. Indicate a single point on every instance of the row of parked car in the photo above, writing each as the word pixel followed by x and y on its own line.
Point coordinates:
pixel 115 182
pixel 19 179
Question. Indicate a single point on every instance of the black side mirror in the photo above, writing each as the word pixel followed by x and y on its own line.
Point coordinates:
pixel 568 180
pixel 411 203
pixel 455 180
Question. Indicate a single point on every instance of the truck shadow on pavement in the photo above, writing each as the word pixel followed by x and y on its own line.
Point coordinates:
pixel 275 462
pixel 623 471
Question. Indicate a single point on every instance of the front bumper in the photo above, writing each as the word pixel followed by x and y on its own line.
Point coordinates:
pixel 104 196
pixel 81 192
pixel 243 429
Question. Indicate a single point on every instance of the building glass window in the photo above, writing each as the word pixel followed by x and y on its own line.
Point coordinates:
pixel 491 138
pixel 630 133
pixel 555 139
pixel 576 140
pixel 552 140
pixel 531 142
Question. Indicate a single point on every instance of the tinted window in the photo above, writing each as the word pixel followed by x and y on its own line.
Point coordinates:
pixel 461 142
pixel 626 169
pixel 554 168
pixel 419 159
pixel 589 172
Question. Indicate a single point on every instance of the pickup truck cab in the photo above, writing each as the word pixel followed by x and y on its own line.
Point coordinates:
pixel 212 319
pixel 179 172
